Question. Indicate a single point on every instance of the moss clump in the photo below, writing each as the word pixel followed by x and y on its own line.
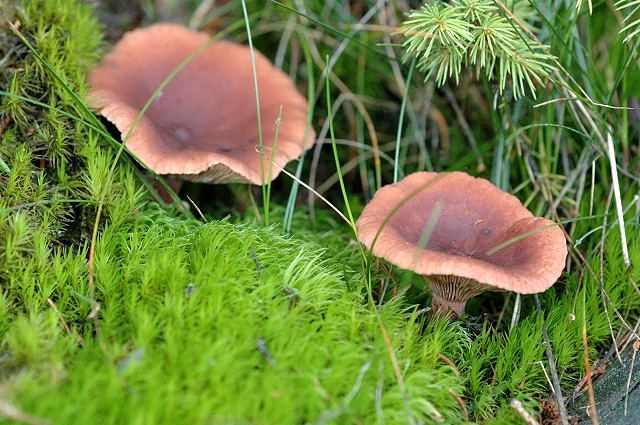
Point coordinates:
pixel 53 168
pixel 216 324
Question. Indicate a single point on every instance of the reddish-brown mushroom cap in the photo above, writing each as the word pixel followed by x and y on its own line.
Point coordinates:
pixel 480 239
pixel 203 125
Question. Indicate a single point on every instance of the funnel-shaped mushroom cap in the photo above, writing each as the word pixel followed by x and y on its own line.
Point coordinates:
pixel 203 126
pixel 477 234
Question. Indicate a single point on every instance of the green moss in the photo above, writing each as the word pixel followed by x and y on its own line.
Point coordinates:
pixel 192 328
pixel 48 154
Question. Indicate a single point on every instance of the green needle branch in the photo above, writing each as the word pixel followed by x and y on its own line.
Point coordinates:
pixel 445 37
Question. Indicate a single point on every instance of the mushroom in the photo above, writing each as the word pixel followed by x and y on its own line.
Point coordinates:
pixel 464 236
pixel 203 125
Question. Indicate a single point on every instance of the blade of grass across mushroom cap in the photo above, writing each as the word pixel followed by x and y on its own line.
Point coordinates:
pixel 464 235
pixel 203 125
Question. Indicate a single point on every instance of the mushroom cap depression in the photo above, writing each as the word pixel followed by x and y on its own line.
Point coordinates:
pixel 474 219
pixel 203 125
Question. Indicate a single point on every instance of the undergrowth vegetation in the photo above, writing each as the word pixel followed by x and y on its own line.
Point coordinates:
pixel 116 307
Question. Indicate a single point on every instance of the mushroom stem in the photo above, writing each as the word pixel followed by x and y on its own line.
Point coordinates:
pixel 450 293
pixel 454 309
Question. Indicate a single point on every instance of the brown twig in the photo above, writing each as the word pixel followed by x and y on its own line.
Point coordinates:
pixel 449 362
pixel 64 322
pixel 587 369
pixel 583 382
pixel 460 402
pixel 552 368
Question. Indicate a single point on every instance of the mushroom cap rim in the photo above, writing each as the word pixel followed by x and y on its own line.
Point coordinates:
pixel 428 262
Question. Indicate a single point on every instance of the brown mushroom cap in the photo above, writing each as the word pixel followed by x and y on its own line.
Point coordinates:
pixel 468 247
pixel 203 126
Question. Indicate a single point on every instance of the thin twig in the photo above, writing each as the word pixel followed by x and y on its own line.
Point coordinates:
pixel 64 322
pixel 587 369
pixel 636 347
pixel 460 402
pixel 197 209
pixel 552 367
pixel 526 416
pixel 546 375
